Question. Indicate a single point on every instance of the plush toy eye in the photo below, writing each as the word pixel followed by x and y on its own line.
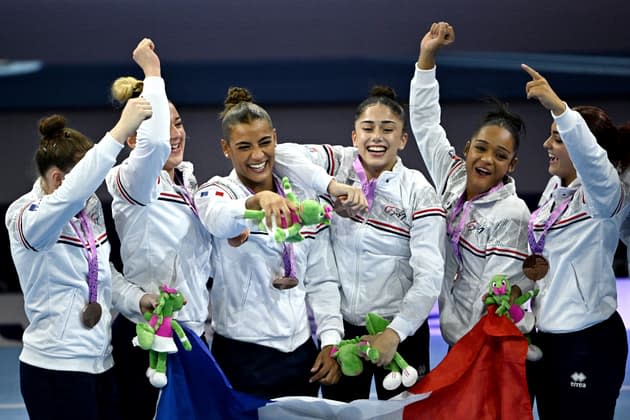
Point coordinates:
pixel 502 282
pixel 494 284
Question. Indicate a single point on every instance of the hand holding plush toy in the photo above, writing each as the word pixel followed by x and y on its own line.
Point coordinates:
pixel 401 371
pixel 349 353
pixel 156 335
pixel 310 212
pixel 499 294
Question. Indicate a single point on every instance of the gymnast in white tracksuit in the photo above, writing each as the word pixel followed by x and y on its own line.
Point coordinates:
pixel 575 229
pixel 162 240
pixel 60 250
pixel 390 259
pixel 262 337
pixel 487 222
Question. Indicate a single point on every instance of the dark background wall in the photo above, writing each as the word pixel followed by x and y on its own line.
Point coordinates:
pixel 308 62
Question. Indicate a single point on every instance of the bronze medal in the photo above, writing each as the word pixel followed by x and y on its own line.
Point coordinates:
pixel 286 282
pixel 91 314
pixel 535 267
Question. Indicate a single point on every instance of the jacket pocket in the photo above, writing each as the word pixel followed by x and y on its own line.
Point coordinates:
pixel 581 293
pixel 67 317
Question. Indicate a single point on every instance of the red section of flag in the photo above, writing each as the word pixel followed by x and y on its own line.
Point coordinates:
pixel 219 193
pixel 481 377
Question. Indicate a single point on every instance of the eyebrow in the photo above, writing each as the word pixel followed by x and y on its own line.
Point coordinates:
pixel 381 122
pixel 237 142
pixel 486 142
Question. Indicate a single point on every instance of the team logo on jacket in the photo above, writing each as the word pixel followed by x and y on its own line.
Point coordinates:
pixel 473 225
pixel 395 211
pixel 578 380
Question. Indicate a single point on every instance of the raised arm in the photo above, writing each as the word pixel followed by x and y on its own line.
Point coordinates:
pixel 600 181
pixel 440 35
pixel 424 106
pixel 139 173
pixel 41 226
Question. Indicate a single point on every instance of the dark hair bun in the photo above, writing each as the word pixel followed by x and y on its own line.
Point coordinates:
pixel 52 126
pixel 236 95
pixel 386 91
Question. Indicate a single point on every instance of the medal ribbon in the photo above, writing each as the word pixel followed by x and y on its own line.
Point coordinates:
pixel 464 207
pixel 183 191
pixel 89 245
pixel 368 187
pixel 288 253
pixel 189 200
pixel 538 246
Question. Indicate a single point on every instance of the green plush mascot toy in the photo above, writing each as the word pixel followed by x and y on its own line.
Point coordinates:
pixel 156 335
pixel 499 290
pixel 309 212
pixel 349 355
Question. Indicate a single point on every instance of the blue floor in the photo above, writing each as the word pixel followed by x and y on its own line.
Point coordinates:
pixel 12 406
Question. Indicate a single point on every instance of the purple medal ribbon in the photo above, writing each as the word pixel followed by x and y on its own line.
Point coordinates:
pixel 538 246
pixel 464 207
pixel 368 187
pixel 183 191
pixel 188 199
pixel 90 253
pixel 288 253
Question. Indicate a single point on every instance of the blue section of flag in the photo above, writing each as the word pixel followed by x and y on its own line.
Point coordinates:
pixel 198 389
pixel 203 193
pixel 32 207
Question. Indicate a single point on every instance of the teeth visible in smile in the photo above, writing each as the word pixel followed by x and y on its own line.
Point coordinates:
pixel 175 146
pixel 257 166
pixel 483 171
pixel 377 149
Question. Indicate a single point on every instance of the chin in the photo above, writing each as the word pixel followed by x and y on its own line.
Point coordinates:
pixel 175 161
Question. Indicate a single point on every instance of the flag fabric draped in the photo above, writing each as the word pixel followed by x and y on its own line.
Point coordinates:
pixel 198 389
pixel 481 377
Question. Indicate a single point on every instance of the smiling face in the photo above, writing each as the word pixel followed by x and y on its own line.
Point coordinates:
pixel 559 161
pixel 378 136
pixel 489 157
pixel 251 148
pixel 177 140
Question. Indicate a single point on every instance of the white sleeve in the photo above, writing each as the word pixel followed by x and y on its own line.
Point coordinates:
pixel 426 244
pixel 136 178
pixel 506 249
pixel 424 113
pixel 125 295
pixel 220 210
pixel 323 289
pixel 600 180
pixel 41 227
pixel 293 161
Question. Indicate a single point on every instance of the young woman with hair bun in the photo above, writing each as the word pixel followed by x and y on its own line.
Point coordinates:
pixel 390 258
pixel 61 253
pixel 486 221
pixel 575 231
pixel 162 238
pixel 263 290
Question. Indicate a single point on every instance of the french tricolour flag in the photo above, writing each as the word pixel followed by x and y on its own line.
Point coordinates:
pixel 482 377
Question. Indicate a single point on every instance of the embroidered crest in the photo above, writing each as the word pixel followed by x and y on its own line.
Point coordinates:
pixel 395 211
